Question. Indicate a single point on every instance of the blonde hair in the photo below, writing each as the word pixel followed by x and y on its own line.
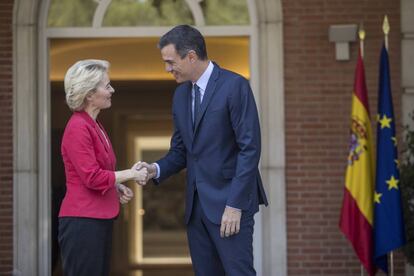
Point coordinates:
pixel 82 78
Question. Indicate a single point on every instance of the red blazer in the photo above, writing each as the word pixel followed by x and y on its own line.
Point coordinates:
pixel 90 170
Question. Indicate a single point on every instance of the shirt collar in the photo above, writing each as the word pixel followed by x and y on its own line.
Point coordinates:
pixel 203 80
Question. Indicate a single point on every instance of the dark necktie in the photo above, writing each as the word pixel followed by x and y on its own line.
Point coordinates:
pixel 197 100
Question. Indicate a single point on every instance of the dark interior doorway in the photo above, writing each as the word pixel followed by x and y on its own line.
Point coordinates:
pixel 143 108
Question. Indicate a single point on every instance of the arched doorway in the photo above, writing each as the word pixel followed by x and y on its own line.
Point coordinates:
pixel 32 122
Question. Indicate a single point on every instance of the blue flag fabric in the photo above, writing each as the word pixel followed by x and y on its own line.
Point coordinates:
pixel 388 217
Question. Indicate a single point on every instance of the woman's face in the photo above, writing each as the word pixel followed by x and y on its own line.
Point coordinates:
pixel 101 98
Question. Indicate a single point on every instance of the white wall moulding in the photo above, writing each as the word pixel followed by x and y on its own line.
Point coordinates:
pixel 407 62
pixel 407 71
pixel 25 140
pixel 271 80
pixel 73 32
pixel 407 13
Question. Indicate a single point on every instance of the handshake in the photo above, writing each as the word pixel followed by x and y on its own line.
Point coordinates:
pixel 143 172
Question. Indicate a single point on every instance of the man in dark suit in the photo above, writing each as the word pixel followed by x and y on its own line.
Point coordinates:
pixel 217 138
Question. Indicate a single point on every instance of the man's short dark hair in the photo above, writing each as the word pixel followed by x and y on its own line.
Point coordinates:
pixel 185 38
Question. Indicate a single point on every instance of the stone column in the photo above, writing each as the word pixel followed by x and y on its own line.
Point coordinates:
pixel 407 55
pixel 407 70
pixel 25 177
pixel 273 136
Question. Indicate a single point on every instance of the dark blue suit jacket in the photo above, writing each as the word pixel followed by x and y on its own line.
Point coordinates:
pixel 222 153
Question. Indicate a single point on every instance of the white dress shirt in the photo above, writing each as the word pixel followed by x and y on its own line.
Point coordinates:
pixel 202 84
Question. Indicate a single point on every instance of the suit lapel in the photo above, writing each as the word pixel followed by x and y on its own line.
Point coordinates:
pixel 102 138
pixel 208 94
pixel 101 134
pixel 94 125
pixel 188 110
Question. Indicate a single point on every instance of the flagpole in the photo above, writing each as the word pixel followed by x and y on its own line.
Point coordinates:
pixel 392 263
pixel 361 34
pixel 386 30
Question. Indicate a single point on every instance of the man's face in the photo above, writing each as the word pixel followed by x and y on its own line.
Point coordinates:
pixel 180 68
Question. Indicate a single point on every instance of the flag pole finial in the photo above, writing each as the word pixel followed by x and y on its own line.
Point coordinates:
pixel 386 30
pixel 361 34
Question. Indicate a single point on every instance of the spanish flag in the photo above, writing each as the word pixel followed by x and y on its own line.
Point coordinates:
pixel 356 220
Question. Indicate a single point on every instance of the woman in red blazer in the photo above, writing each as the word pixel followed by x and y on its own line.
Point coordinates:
pixel 93 188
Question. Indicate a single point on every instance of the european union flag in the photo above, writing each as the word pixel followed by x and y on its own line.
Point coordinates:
pixel 388 218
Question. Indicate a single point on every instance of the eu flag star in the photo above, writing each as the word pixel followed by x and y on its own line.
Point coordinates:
pixel 397 163
pixel 377 197
pixel 394 140
pixel 385 122
pixel 392 183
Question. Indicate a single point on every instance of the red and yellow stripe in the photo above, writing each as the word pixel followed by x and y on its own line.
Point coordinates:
pixel 357 209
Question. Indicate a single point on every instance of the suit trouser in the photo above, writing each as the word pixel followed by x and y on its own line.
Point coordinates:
pixel 213 255
pixel 85 245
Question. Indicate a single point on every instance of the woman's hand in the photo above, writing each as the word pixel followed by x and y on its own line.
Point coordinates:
pixel 137 173
pixel 125 194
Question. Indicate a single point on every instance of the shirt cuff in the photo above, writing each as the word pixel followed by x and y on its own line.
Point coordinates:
pixel 158 171
pixel 236 209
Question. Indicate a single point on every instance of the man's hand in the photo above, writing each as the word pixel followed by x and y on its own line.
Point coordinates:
pixel 151 168
pixel 125 194
pixel 230 222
